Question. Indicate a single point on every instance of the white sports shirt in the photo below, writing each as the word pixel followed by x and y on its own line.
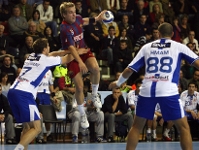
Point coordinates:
pixel 189 102
pixel 132 99
pixel 46 82
pixel 162 60
pixel 33 71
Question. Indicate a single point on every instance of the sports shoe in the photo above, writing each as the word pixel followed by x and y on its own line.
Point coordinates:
pixel 84 122
pixel 40 141
pixel 100 140
pixel 75 139
pixel 166 138
pixel 96 101
pixel 154 137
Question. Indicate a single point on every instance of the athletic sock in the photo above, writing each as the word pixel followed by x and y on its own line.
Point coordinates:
pixel 19 147
pixel 95 88
pixel 81 109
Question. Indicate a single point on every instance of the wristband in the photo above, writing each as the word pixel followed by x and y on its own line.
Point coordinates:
pixel 120 80
pixel 91 20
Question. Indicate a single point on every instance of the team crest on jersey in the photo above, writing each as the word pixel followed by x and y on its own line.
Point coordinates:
pixel 71 31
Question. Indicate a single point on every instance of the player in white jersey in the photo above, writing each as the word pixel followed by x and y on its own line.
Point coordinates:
pixel 23 92
pixel 190 101
pixel 162 60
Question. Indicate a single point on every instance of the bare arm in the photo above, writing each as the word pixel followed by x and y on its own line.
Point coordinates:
pixel 196 64
pixel 98 18
pixel 59 53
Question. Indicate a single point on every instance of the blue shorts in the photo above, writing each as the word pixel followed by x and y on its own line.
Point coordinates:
pixel 44 98
pixel 171 107
pixel 23 106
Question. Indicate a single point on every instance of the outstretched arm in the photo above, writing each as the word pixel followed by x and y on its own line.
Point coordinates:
pixel 123 77
pixel 98 18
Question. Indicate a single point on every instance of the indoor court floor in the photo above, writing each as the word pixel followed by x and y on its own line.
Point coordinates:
pixel 104 146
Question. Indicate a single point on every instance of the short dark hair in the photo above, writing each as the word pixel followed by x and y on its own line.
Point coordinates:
pixel 165 29
pixel 111 27
pixel 138 81
pixel 39 45
pixel 194 83
pixel 35 11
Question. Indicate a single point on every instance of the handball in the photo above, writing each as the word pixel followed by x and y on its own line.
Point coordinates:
pixel 108 17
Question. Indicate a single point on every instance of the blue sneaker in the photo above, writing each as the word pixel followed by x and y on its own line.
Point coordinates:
pixel 75 139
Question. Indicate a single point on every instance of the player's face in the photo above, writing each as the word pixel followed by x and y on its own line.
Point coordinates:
pixel 191 88
pixel 70 15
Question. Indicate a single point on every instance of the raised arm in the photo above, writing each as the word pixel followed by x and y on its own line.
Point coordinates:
pixel 100 17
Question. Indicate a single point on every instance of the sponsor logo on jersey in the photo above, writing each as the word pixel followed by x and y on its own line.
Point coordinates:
pixel 71 31
pixel 156 78
pixel 33 58
pixel 160 45
pixel 78 37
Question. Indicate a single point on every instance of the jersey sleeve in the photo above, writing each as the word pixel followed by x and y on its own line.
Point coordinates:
pixel 138 61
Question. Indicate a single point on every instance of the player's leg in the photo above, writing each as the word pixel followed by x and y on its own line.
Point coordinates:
pixel 79 95
pixel 30 131
pixel 93 67
pixel 134 133
pixel 185 136
pixel 144 110
pixel 172 109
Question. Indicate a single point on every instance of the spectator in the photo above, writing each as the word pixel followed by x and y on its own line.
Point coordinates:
pixel 155 34
pixel 141 27
pixel 124 36
pixel 54 41
pixel 113 5
pixel 93 114
pixel 158 21
pixel 94 36
pixel 123 56
pixel 183 81
pixel 25 9
pixel 115 110
pixel 39 23
pixel 110 46
pixel 184 26
pixel 98 5
pixel 182 7
pixel 4 42
pixel 26 49
pixel 7 117
pixel 17 26
pixel 124 10
pixel 32 31
pixel 80 10
pixel 155 2
pixel 8 68
pixel 195 78
pixel 129 27
pixel 191 39
pixel 4 13
pixel 5 84
pixel 105 28
pixel 140 10
pixel 168 10
pixel 46 15
pixel 176 30
pixel 154 15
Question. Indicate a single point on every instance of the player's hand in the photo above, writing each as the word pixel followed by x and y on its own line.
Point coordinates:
pixel 100 16
pixel 82 51
pixel 194 115
pixel 83 68
pixel 112 85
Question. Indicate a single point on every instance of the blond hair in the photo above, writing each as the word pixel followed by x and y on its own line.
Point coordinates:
pixel 64 6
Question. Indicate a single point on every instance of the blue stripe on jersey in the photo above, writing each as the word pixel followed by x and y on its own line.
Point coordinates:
pixel 153 89
pixel 188 58
pixel 162 41
pixel 136 66
pixel 38 80
pixel 175 78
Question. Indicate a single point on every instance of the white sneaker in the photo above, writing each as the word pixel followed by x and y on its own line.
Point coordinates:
pixel 96 101
pixel 84 122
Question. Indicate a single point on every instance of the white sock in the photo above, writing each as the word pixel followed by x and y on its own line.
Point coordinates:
pixel 19 147
pixel 95 88
pixel 81 109
pixel 149 130
pixel 166 132
pixel 154 131
pixel 48 133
